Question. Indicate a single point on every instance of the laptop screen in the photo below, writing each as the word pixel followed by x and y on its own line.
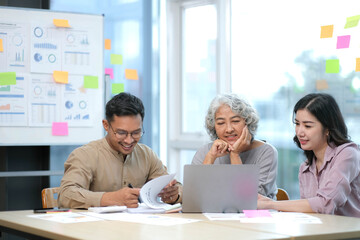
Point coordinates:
pixel 220 188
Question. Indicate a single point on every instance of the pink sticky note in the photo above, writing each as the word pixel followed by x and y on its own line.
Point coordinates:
pixel 257 213
pixel 110 72
pixel 60 129
pixel 343 41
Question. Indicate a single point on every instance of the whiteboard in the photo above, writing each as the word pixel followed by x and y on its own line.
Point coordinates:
pixel 38 109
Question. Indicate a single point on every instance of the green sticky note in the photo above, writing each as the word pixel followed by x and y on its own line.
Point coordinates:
pixel 332 66
pixel 117 88
pixel 352 21
pixel 8 78
pixel 91 82
pixel 116 59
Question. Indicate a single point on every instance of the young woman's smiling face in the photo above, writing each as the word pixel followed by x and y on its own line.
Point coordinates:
pixel 310 132
pixel 228 125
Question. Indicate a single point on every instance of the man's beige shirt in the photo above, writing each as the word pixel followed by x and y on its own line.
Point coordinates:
pixel 96 168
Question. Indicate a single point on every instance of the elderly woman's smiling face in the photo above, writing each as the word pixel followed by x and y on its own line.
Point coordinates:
pixel 228 125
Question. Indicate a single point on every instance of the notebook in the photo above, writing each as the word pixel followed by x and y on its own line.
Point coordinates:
pixel 221 188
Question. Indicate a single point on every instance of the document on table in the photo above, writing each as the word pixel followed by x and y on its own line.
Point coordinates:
pixel 272 217
pixel 65 217
pixel 153 219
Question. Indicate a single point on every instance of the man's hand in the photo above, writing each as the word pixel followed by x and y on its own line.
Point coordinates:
pixel 170 193
pixel 124 197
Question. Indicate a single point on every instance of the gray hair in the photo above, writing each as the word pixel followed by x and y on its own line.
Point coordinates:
pixel 238 105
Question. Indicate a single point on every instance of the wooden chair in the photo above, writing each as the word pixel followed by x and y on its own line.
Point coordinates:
pixel 49 197
pixel 282 195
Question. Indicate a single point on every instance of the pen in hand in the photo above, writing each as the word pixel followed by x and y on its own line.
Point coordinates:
pixel 130 186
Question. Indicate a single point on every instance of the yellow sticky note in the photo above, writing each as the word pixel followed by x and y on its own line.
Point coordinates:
pixel 327 31
pixel 321 85
pixel 61 23
pixel 357 68
pixel 116 59
pixel 1 45
pixel 107 44
pixel 61 77
pixel 131 74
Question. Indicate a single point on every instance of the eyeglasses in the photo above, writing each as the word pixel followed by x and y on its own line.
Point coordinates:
pixel 136 135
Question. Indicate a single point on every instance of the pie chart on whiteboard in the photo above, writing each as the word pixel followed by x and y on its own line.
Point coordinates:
pixel 69 104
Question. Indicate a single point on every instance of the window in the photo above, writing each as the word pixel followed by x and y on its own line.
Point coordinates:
pixel 278 57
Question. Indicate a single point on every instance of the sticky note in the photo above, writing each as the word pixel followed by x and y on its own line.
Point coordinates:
pixel 1 45
pixel 352 21
pixel 61 77
pixel 327 31
pixel 108 44
pixel 61 23
pixel 7 78
pixel 91 82
pixel 109 71
pixel 60 129
pixel 332 66
pixel 116 59
pixel 117 88
pixel 257 213
pixel 131 74
pixel 343 42
pixel 357 68
pixel 321 85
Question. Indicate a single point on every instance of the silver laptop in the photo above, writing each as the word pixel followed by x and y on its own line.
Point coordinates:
pixel 222 188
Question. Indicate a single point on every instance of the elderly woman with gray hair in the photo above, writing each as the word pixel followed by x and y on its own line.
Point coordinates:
pixel 231 123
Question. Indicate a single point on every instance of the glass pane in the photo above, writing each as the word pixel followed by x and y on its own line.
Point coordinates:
pixel 198 65
pixel 278 57
pixel 186 157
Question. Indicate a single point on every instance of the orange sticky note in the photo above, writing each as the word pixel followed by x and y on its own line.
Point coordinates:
pixel 60 129
pixel 357 69
pixel 61 23
pixel 107 44
pixel 1 45
pixel 327 31
pixel 321 85
pixel 61 77
pixel 131 74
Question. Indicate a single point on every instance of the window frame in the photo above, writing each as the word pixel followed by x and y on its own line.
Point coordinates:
pixel 176 141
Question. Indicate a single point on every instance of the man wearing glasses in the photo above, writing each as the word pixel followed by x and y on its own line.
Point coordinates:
pixel 111 171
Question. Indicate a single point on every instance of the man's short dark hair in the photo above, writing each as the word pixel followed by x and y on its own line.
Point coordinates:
pixel 124 104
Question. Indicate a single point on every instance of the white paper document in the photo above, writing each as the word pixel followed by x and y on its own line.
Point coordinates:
pixel 66 217
pixel 108 209
pixel 153 219
pixel 149 194
pixel 276 217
